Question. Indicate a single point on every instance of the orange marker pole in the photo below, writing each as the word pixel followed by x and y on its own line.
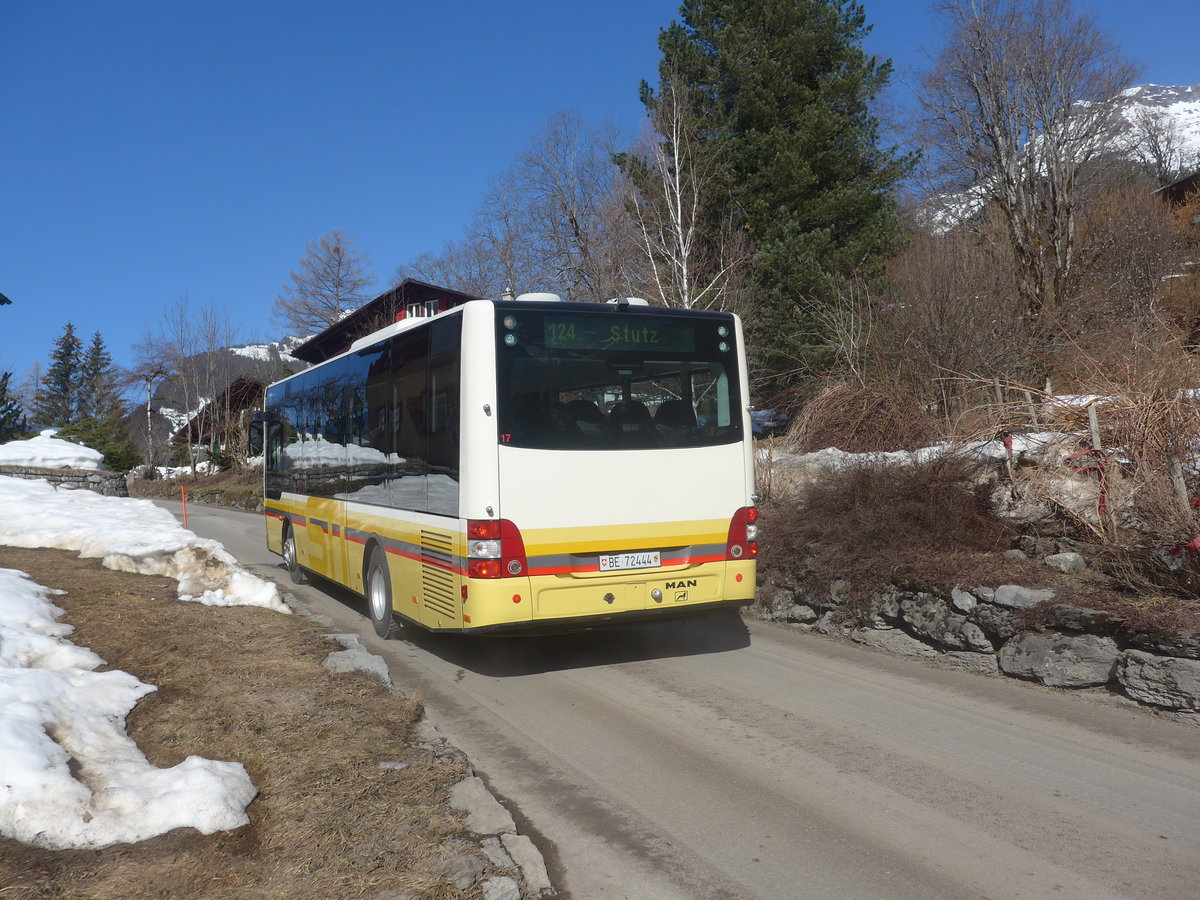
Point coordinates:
pixel 183 493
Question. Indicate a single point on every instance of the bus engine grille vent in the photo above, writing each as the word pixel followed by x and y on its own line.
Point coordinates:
pixel 437 578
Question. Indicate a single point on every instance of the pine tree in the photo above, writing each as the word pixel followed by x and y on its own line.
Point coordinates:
pixel 785 87
pixel 97 392
pixel 10 410
pixel 57 401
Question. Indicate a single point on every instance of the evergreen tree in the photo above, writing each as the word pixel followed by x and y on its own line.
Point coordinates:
pixel 785 88
pixel 10 410
pixel 57 401
pixel 97 393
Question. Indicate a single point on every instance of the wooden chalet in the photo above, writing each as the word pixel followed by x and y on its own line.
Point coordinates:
pixel 409 299
pixel 213 425
pixel 1181 190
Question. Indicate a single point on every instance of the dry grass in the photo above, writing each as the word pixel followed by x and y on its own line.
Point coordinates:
pixel 863 420
pixel 232 489
pixel 870 523
pixel 246 684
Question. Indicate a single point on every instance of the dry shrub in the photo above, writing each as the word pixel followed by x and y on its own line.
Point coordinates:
pixel 863 420
pixel 867 522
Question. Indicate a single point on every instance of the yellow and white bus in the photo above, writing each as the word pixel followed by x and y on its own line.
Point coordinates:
pixel 519 465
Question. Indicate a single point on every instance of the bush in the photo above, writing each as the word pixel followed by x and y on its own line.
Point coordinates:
pixel 863 420
pixel 107 436
pixel 869 522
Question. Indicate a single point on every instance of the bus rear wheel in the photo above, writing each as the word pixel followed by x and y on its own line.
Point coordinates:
pixel 379 593
pixel 295 570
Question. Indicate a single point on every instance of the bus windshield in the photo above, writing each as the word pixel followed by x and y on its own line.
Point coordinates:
pixel 615 379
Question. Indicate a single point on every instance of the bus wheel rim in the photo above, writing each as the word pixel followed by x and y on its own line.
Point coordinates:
pixel 378 594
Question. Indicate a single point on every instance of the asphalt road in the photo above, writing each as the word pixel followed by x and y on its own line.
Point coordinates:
pixel 708 759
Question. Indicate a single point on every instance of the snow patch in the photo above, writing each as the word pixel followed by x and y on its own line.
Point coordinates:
pixel 48 452
pixel 73 779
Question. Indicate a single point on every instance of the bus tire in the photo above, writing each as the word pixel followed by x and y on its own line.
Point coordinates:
pixel 379 593
pixel 290 559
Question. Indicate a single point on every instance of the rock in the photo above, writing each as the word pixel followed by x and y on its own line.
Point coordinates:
pixel 1017 597
pixel 1071 563
pixel 929 617
pixel 838 592
pixel 1014 554
pixel 805 615
pixel 501 888
pixel 887 603
pixel 1078 618
pixel 893 640
pixel 778 602
pixel 1060 660
pixel 1185 644
pixel 987 594
pixel 462 871
pixel 963 601
pixel 976 639
pixel 356 658
pixel 494 850
pixel 976 662
pixel 529 860
pixel 1161 680
pixel 997 623
pixel 484 814
pixel 827 623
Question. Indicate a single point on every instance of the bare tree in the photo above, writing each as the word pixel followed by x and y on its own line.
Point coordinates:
pixel 555 221
pixel 186 349
pixel 1158 146
pixel 570 187
pixel 332 280
pixel 691 261
pixel 1020 106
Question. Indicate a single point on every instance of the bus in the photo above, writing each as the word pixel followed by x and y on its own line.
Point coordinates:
pixel 520 466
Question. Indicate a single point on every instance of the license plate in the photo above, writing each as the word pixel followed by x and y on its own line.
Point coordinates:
pixel 614 562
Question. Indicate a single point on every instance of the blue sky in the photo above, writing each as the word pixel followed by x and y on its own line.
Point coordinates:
pixel 152 150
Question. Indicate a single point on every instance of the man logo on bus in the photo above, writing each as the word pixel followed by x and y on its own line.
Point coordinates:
pixel 670 585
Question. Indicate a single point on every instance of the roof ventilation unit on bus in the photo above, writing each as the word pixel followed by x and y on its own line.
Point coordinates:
pixel 628 301
pixel 539 298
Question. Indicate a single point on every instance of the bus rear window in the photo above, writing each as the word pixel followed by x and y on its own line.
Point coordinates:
pixel 616 380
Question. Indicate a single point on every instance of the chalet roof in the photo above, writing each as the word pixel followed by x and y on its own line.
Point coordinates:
pixel 1179 190
pixel 372 316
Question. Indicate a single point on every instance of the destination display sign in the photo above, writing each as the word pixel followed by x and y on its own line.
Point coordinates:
pixel 566 332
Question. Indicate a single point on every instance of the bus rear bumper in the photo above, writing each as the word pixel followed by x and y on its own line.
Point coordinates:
pixel 589 622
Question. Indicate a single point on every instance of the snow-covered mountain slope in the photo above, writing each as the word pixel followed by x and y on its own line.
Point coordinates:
pixel 1176 109
pixel 1158 128
pixel 1180 105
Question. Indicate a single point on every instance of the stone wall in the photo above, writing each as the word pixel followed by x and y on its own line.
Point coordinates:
pixel 1005 629
pixel 110 484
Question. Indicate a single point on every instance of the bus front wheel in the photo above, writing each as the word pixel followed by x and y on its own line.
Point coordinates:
pixel 295 571
pixel 379 593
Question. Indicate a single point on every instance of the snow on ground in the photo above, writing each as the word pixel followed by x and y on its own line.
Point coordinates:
pixel 48 452
pixel 130 536
pixel 1024 444
pixel 58 713
pixel 71 775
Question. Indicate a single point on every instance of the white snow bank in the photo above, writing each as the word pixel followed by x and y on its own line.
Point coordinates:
pixel 72 778
pixel 130 536
pixel 1024 444
pixel 48 452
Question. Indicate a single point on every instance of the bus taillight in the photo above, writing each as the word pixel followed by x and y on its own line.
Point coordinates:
pixel 494 549
pixel 743 534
